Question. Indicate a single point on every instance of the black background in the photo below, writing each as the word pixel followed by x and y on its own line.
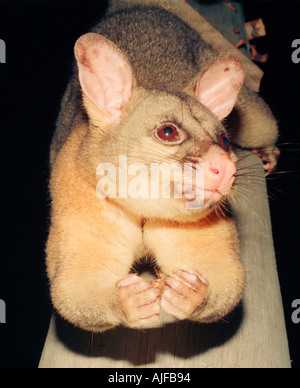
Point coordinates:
pixel 39 37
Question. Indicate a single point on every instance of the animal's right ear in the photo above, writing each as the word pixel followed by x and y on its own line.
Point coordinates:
pixel 219 85
pixel 104 74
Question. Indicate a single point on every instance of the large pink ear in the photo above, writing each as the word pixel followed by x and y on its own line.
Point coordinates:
pixel 104 74
pixel 218 86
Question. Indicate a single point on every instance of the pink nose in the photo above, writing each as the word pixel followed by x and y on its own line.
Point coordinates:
pixel 220 174
pixel 219 171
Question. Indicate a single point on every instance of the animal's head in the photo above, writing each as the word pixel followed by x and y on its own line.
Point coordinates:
pixel 137 132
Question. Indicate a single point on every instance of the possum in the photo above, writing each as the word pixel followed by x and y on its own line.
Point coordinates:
pixel 147 94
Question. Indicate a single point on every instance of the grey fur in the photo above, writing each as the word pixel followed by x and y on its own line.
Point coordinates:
pixel 165 54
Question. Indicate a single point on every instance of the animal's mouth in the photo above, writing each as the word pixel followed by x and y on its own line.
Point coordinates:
pixel 200 196
pixel 210 195
pixel 218 193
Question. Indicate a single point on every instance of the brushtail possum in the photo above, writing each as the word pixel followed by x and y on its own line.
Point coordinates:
pixel 146 88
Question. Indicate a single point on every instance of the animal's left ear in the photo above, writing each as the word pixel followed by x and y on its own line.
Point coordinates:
pixel 105 75
pixel 219 84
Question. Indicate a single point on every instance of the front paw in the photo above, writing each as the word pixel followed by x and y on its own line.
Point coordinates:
pixel 183 293
pixel 140 301
pixel 269 156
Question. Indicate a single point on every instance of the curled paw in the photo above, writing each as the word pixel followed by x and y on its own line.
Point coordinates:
pixel 269 156
pixel 140 301
pixel 183 292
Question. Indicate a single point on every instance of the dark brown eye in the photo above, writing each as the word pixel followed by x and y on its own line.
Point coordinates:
pixel 169 134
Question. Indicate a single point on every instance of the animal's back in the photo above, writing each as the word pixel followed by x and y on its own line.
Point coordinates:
pixel 164 52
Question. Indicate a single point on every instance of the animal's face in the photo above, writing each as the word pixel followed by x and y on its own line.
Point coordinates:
pixel 159 154
pixel 167 158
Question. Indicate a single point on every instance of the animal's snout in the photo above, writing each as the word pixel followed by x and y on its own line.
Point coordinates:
pixel 219 171
pixel 220 174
